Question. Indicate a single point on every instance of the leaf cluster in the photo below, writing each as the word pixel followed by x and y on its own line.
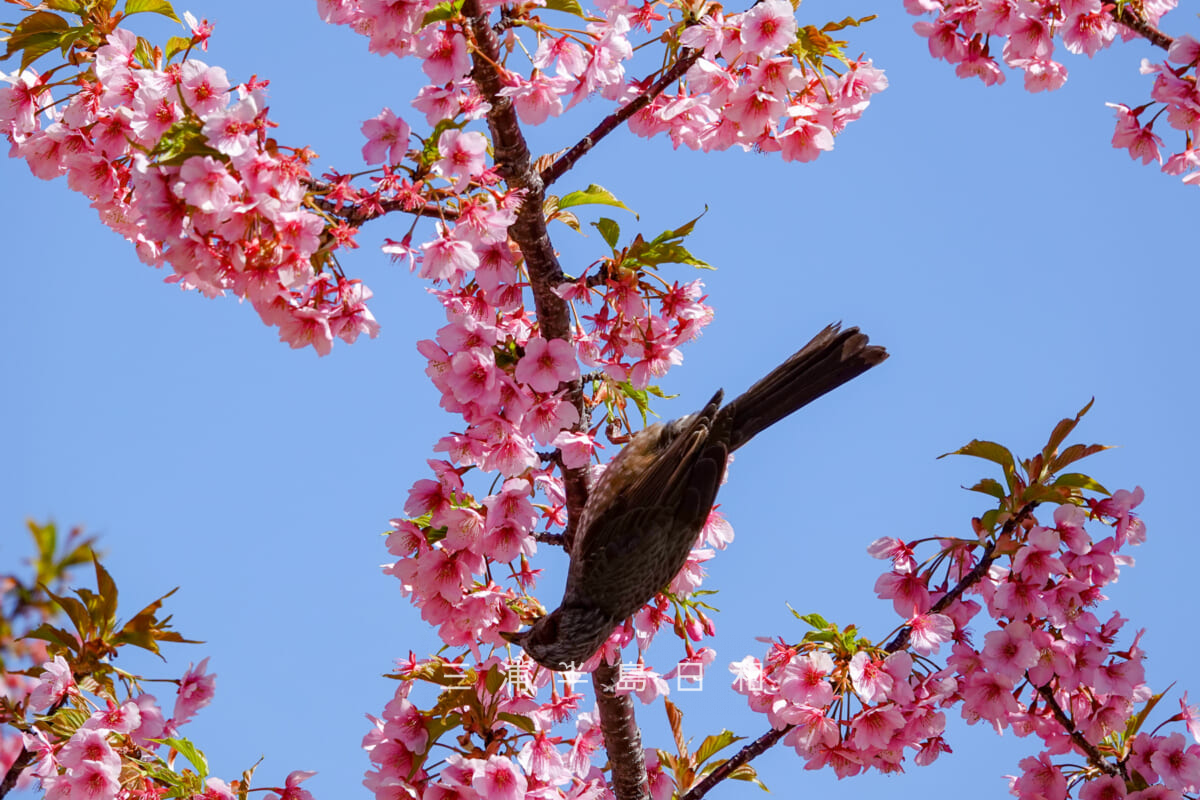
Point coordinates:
pixel 44 31
pixel 1039 479
pixel 688 767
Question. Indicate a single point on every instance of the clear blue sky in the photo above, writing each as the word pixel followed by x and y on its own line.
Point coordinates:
pixel 1014 264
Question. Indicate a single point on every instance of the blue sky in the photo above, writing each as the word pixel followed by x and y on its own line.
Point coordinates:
pixel 1013 263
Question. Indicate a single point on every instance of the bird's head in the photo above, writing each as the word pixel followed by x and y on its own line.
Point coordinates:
pixel 565 638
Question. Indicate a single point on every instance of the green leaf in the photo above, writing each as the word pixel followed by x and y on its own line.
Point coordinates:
pixel 714 744
pixel 745 772
pixel 989 451
pixel 36 35
pixel 107 591
pixel 143 52
pixel 183 140
pixel 189 751
pixel 568 6
pixel 160 773
pixel 442 12
pixel 666 248
pixel 1076 452
pixel 146 630
pixel 77 7
pixel 45 539
pixel 175 46
pixel 152 6
pixel 593 195
pixel 823 637
pixel 494 680
pixel 67 720
pixel 610 230
pixel 75 610
pixel 991 487
pixel 846 22
pixel 1062 430
pixel 816 621
pixel 675 720
pixel 639 398
pixel 68 39
pixel 1136 721
pixel 990 519
pixel 570 220
pixel 64 640
pixel 1040 493
pixel 1078 480
pixel 519 720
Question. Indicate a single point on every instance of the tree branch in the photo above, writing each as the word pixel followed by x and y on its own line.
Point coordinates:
pixel 622 739
pixel 610 123
pixel 1094 757
pixel 1125 15
pixel 24 759
pixel 357 215
pixel 756 748
pixel 973 577
pixel 529 231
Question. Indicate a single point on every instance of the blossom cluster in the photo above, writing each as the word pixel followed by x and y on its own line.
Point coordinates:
pixel 496 758
pixel 752 84
pixel 88 763
pixel 1050 668
pixel 117 740
pixel 510 387
pixel 962 33
pixel 178 162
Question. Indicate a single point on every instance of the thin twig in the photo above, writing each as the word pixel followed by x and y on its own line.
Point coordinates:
pixel 1094 757
pixel 610 123
pixel 24 759
pixel 973 577
pixel 1125 15
pixel 756 748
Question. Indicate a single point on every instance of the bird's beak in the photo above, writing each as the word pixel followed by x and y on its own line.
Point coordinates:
pixel 513 637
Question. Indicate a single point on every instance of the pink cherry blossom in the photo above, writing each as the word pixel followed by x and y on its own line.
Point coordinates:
pixel 929 632
pixel 55 683
pixel 292 790
pixel 387 138
pixel 541 758
pixel 462 156
pixel 499 779
pixel 1177 765
pixel 546 364
pixel 805 680
pixel 196 690
pixel 538 98
pixel 576 448
pixel 18 104
pixel 871 681
pixel 444 56
pixel 768 28
pixel 205 183
pixel 90 745
pixel 91 780
pixel 204 88
pixel 1040 780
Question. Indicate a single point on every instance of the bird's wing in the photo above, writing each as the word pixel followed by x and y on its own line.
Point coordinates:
pixel 644 539
pixel 667 474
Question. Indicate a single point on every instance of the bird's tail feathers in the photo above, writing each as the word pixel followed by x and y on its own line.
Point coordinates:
pixel 832 358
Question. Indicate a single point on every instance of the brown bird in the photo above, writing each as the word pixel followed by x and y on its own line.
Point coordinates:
pixel 645 513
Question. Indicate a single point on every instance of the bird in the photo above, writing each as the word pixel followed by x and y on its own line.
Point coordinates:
pixel 645 512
